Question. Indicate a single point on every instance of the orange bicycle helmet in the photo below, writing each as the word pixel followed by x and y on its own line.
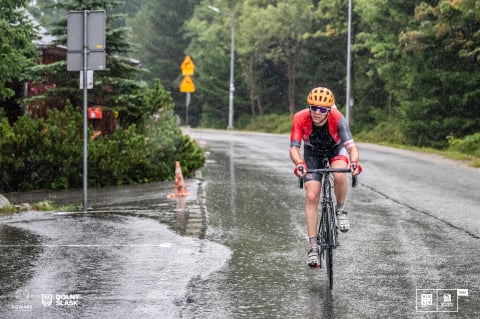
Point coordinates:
pixel 321 97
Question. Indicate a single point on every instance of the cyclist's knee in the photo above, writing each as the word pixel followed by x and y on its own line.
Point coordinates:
pixel 340 178
pixel 313 197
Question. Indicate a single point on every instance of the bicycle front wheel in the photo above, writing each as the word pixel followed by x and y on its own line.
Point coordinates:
pixel 329 254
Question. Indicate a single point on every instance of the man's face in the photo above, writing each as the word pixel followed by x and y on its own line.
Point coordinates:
pixel 319 114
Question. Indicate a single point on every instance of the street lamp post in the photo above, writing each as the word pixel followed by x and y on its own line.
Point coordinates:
pixel 231 88
pixel 349 53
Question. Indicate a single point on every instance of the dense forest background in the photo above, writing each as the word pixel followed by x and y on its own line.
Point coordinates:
pixel 415 64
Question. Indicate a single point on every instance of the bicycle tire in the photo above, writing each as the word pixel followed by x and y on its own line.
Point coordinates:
pixel 322 235
pixel 330 245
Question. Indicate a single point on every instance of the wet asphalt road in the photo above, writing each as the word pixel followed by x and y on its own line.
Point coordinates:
pixel 236 247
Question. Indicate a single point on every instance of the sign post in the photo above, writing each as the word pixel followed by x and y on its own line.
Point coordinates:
pixel 85 51
pixel 187 85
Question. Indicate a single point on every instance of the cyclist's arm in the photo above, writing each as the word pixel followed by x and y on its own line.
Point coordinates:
pixel 353 153
pixel 295 154
pixel 347 140
pixel 296 137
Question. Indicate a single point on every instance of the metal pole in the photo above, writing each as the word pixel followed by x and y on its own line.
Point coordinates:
pixel 85 105
pixel 349 41
pixel 231 87
pixel 187 102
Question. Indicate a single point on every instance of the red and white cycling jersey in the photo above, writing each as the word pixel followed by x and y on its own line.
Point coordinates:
pixel 302 128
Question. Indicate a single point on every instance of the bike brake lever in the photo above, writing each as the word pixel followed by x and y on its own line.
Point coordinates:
pixel 300 179
pixel 354 181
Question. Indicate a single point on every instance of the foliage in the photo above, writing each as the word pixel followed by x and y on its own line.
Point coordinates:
pixel 441 94
pixel 42 206
pixel 271 123
pixel 377 58
pixel 119 87
pixel 387 131
pixel 17 50
pixel 8 209
pixel 469 145
pixel 41 153
pixel 157 31
pixel 47 153
pixel 415 69
pixel 268 32
pixel 209 34
pixel 148 154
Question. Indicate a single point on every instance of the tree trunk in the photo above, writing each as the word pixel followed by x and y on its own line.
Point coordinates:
pixel 291 82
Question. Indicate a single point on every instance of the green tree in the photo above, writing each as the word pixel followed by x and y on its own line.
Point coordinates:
pixel 274 33
pixel 269 38
pixel 210 43
pixel 33 158
pixel 378 56
pixel 17 51
pixel 157 31
pixel 441 96
pixel 323 62
pixel 118 88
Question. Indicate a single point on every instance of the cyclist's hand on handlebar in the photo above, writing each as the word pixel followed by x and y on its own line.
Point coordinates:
pixel 356 168
pixel 301 169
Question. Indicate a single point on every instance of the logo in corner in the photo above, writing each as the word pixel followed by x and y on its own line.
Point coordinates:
pixel 47 300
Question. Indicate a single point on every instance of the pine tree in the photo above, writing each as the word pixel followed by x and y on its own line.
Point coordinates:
pixel 17 50
pixel 118 87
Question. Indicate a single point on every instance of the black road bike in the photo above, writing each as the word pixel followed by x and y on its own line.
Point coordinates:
pixel 327 227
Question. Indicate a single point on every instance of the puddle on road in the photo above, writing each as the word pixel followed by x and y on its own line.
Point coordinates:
pixel 118 256
pixel 183 215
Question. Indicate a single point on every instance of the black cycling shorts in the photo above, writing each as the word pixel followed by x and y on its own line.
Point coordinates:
pixel 314 159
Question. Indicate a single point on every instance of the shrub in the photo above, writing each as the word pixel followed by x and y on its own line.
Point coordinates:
pixel 384 132
pixel 48 153
pixel 271 123
pixel 469 145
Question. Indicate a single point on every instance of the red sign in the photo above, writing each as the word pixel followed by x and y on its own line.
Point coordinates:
pixel 94 113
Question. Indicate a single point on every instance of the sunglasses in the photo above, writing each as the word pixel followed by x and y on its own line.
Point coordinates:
pixel 323 110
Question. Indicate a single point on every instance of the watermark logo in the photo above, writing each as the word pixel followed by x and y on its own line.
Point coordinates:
pixel 438 300
pixel 70 300
pixel 22 295
pixel 427 300
pixel 22 298
pixel 47 300
pixel 61 300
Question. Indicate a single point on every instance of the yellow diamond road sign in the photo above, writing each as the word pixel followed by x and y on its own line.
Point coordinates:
pixel 187 66
pixel 187 85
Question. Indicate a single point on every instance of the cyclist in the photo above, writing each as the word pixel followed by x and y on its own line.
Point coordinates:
pixel 324 132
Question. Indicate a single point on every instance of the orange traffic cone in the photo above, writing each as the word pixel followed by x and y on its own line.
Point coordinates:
pixel 179 183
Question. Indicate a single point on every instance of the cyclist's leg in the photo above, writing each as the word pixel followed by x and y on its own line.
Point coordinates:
pixel 340 160
pixel 311 206
pixel 311 217
pixel 312 184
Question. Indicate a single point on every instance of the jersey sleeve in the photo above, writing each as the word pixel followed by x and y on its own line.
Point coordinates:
pixel 344 133
pixel 296 134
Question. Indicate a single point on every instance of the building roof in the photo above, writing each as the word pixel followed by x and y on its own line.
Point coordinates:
pixel 44 38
